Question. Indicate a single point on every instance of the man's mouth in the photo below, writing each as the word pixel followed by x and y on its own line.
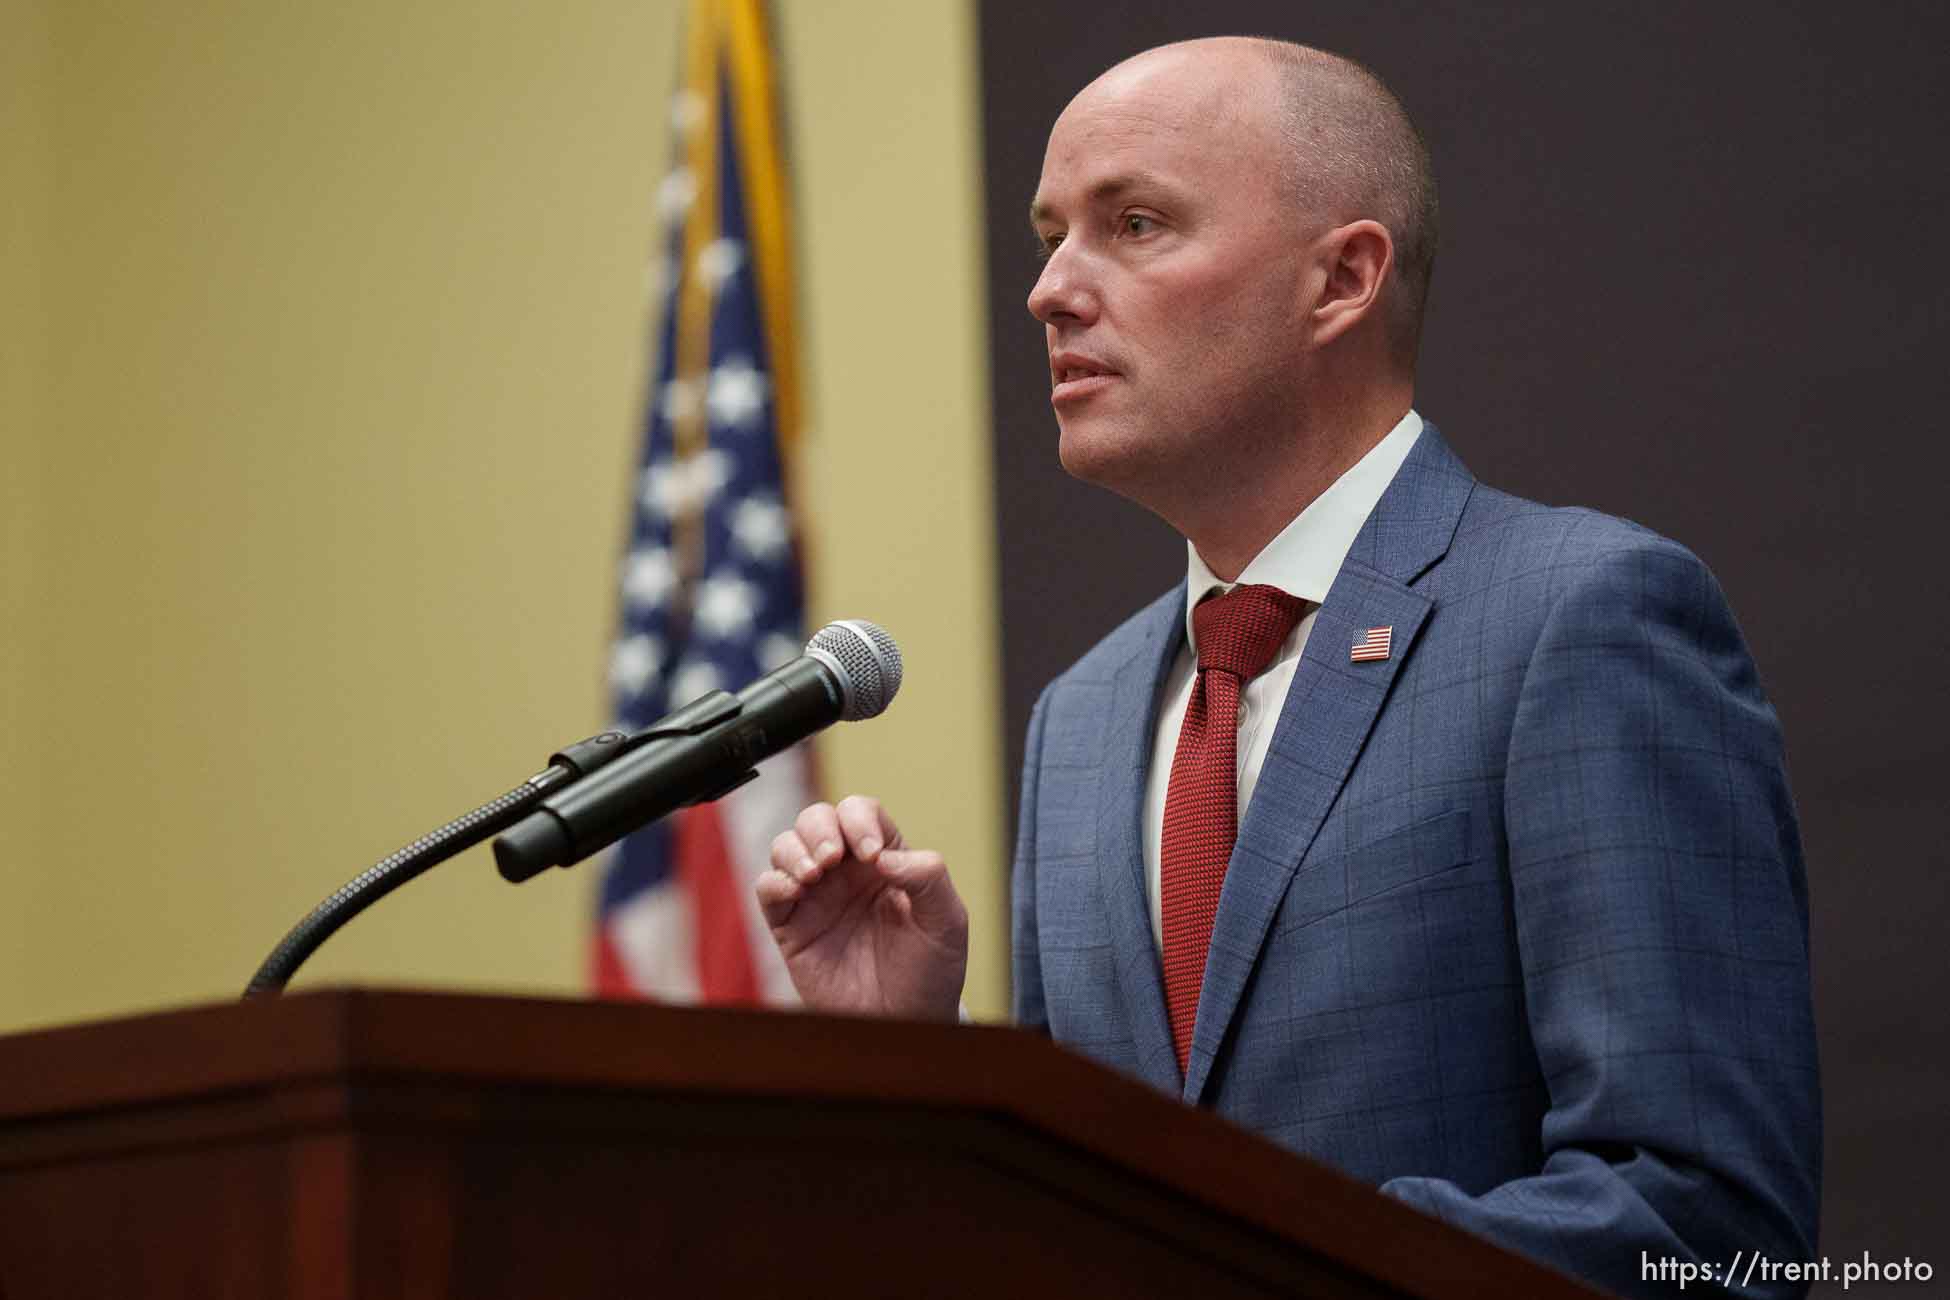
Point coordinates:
pixel 1077 377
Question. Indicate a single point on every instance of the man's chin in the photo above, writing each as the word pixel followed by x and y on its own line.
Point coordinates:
pixel 1102 457
pixel 1087 453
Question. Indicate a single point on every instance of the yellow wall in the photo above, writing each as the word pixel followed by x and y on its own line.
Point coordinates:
pixel 325 336
pixel 24 184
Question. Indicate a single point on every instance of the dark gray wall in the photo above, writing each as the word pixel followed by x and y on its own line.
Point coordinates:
pixel 1693 274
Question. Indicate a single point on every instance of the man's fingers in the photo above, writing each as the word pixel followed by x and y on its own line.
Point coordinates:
pixel 860 822
pixel 922 876
pixel 866 826
pixel 778 894
pixel 914 870
pixel 821 837
pixel 858 827
pixel 789 853
pixel 818 827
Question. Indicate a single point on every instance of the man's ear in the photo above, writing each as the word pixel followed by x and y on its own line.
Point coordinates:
pixel 1357 257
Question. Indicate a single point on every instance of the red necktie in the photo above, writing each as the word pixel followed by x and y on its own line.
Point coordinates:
pixel 1238 634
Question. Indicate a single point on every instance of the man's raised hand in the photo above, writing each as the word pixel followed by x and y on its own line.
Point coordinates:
pixel 866 925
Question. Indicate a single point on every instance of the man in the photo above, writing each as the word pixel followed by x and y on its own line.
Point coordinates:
pixel 1433 833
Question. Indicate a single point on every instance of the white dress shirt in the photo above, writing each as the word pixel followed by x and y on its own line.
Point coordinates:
pixel 1301 561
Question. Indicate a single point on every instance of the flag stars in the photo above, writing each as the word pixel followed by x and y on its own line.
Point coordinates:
pixel 680 400
pixel 672 488
pixel 726 606
pixel 676 194
pixel 633 661
pixel 736 394
pixel 719 260
pixel 648 576
pixel 761 527
pixel 694 678
pixel 686 112
pixel 776 650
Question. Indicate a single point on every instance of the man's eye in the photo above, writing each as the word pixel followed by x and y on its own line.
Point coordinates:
pixel 1046 245
pixel 1136 223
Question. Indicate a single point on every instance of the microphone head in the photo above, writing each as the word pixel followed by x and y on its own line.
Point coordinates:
pixel 866 661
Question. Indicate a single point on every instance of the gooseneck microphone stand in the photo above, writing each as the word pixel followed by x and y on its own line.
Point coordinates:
pixel 571 763
pixel 706 749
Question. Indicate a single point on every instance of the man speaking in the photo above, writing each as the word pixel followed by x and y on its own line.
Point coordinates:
pixel 1435 834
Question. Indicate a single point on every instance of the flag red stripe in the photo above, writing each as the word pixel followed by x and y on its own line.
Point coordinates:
pixel 726 972
pixel 607 974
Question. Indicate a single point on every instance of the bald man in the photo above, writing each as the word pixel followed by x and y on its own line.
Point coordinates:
pixel 1436 834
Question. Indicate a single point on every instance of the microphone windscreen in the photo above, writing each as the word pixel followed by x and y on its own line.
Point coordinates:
pixel 866 661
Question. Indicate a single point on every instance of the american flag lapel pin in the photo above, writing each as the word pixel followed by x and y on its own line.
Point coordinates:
pixel 1372 645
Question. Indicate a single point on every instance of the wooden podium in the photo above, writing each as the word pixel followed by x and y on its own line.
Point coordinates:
pixel 342 1144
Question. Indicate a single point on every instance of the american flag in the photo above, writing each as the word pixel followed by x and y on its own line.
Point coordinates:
pixel 711 589
pixel 1372 645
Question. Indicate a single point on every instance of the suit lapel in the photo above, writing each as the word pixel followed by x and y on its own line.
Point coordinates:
pixel 1329 711
pixel 1120 843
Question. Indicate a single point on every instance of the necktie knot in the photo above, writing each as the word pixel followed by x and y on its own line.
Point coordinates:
pixel 1241 631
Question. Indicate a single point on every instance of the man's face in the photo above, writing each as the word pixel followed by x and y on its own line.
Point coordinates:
pixel 1174 287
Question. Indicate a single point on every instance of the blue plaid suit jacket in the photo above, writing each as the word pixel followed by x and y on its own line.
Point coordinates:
pixel 1516 924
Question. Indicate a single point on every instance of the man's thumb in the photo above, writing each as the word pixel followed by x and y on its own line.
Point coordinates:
pixel 922 875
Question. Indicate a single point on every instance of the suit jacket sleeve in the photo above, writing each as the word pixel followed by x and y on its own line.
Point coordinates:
pixel 1026 967
pixel 1661 912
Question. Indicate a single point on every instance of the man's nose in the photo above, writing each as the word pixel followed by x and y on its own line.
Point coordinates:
pixel 1064 291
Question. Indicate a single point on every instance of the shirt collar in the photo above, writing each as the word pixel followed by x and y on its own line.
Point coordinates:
pixel 1307 554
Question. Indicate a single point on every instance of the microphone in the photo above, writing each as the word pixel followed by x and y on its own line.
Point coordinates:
pixel 708 748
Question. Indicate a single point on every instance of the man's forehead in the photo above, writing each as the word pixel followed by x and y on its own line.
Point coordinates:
pixel 1142 133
